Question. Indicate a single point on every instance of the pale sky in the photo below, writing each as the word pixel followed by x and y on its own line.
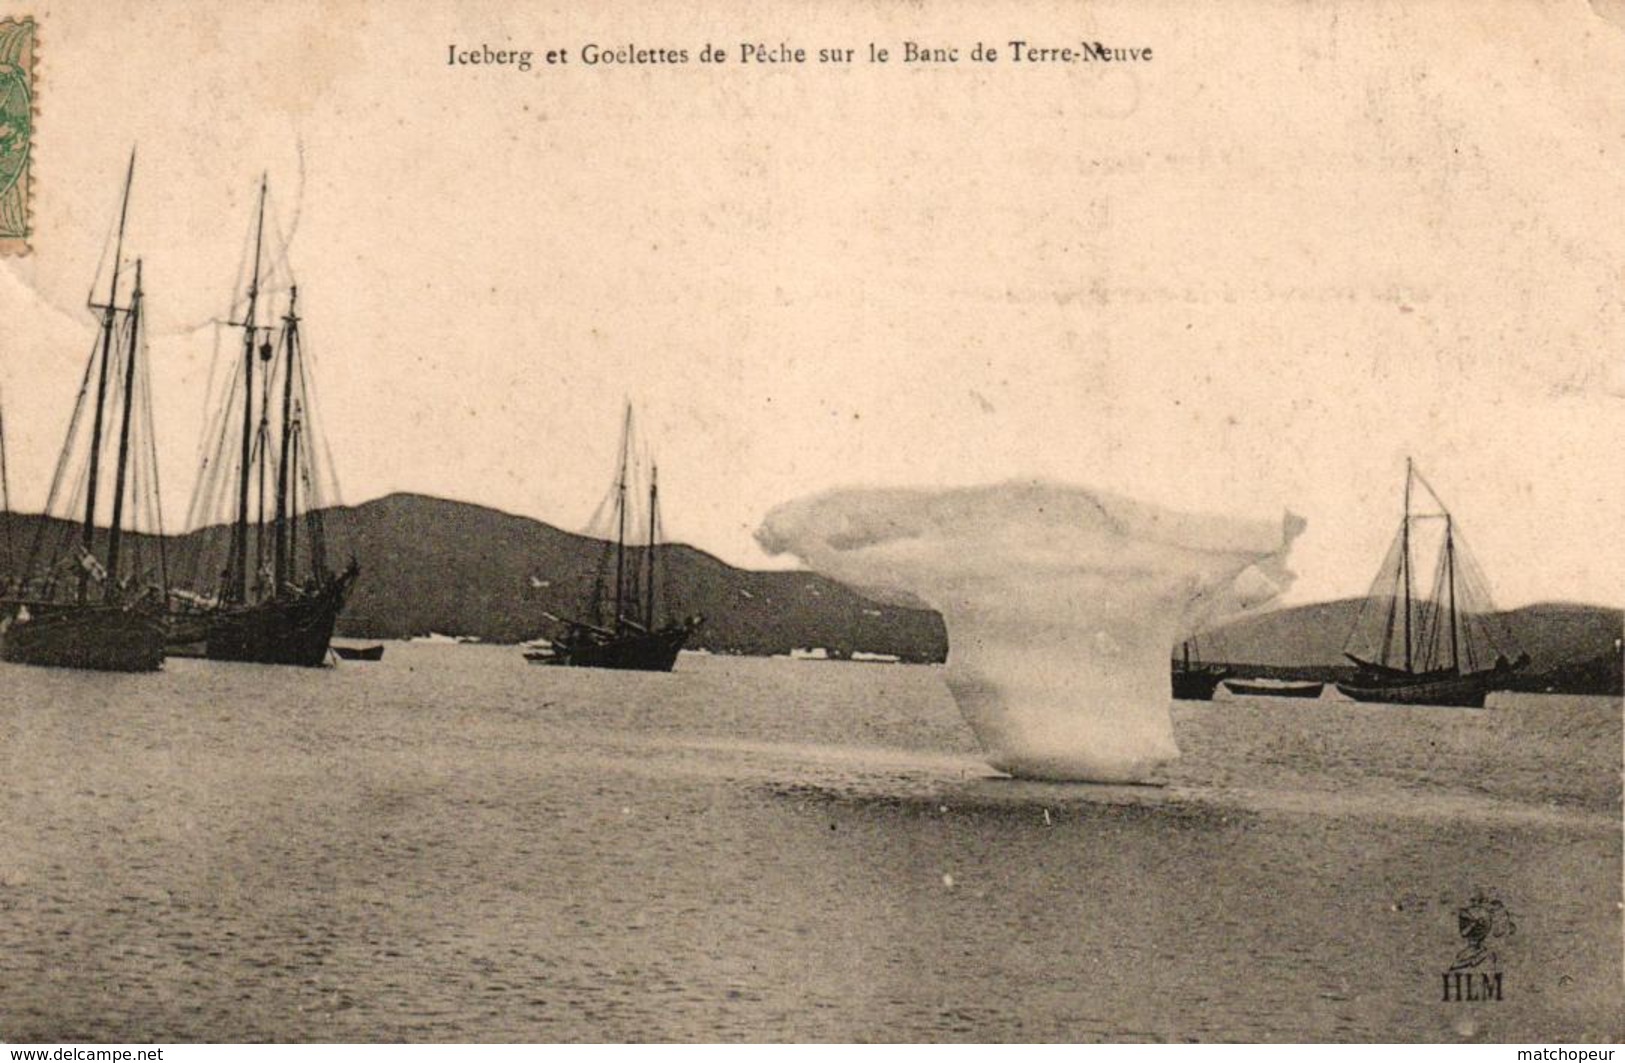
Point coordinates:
pixel 1305 241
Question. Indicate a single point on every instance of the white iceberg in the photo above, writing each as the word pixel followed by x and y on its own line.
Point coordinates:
pixel 1061 604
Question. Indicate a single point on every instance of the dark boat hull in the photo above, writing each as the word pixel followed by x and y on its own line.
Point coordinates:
pixel 103 638
pixel 1457 691
pixel 360 653
pixel 293 630
pixel 1284 690
pixel 1196 684
pixel 655 651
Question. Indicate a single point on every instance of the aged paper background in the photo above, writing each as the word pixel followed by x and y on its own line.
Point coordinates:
pixel 1301 243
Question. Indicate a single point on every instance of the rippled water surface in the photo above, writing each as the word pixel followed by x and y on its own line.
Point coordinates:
pixel 454 845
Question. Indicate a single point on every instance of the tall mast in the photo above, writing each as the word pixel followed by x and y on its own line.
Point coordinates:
pixel 293 505
pixel 314 521
pixel 290 344
pixel 1405 561
pixel 115 532
pixel 620 517
pixel 649 582
pixel 239 590
pixel 109 318
pixel 1450 574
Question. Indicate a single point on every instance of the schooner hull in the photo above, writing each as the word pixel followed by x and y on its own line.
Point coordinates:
pixel 1197 684
pixel 292 631
pixel 653 652
pixel 103 638
pixel 1455 691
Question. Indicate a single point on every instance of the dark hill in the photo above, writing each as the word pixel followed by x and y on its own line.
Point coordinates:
pixel 1553 634
pixel 433 565
pixel 1571 647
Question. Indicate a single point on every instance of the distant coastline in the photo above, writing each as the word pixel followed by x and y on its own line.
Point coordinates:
pixel 465 570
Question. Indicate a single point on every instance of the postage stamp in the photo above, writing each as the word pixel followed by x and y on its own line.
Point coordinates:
pixel 16 133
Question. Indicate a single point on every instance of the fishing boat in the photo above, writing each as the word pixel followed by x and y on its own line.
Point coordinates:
pixel 1274 688
pixel 1193 680
pixel 628 638
pixel 86 597
pixel 1446 647
pixel 277 599
pixel 359 653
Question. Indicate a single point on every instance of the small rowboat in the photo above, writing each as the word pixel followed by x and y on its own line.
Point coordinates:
pixel 1273 688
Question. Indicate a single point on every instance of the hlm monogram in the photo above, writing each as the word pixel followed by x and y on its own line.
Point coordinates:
pixel 1471 986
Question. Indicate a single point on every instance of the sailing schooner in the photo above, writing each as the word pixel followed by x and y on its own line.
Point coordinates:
pixel 69 605
pixel 260 610
pixel 628 638
pixel 1445 649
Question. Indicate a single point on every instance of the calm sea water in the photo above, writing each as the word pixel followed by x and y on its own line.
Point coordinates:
pixel 454 845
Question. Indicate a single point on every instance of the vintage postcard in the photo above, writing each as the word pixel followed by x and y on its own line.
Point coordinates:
pixel 861 521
